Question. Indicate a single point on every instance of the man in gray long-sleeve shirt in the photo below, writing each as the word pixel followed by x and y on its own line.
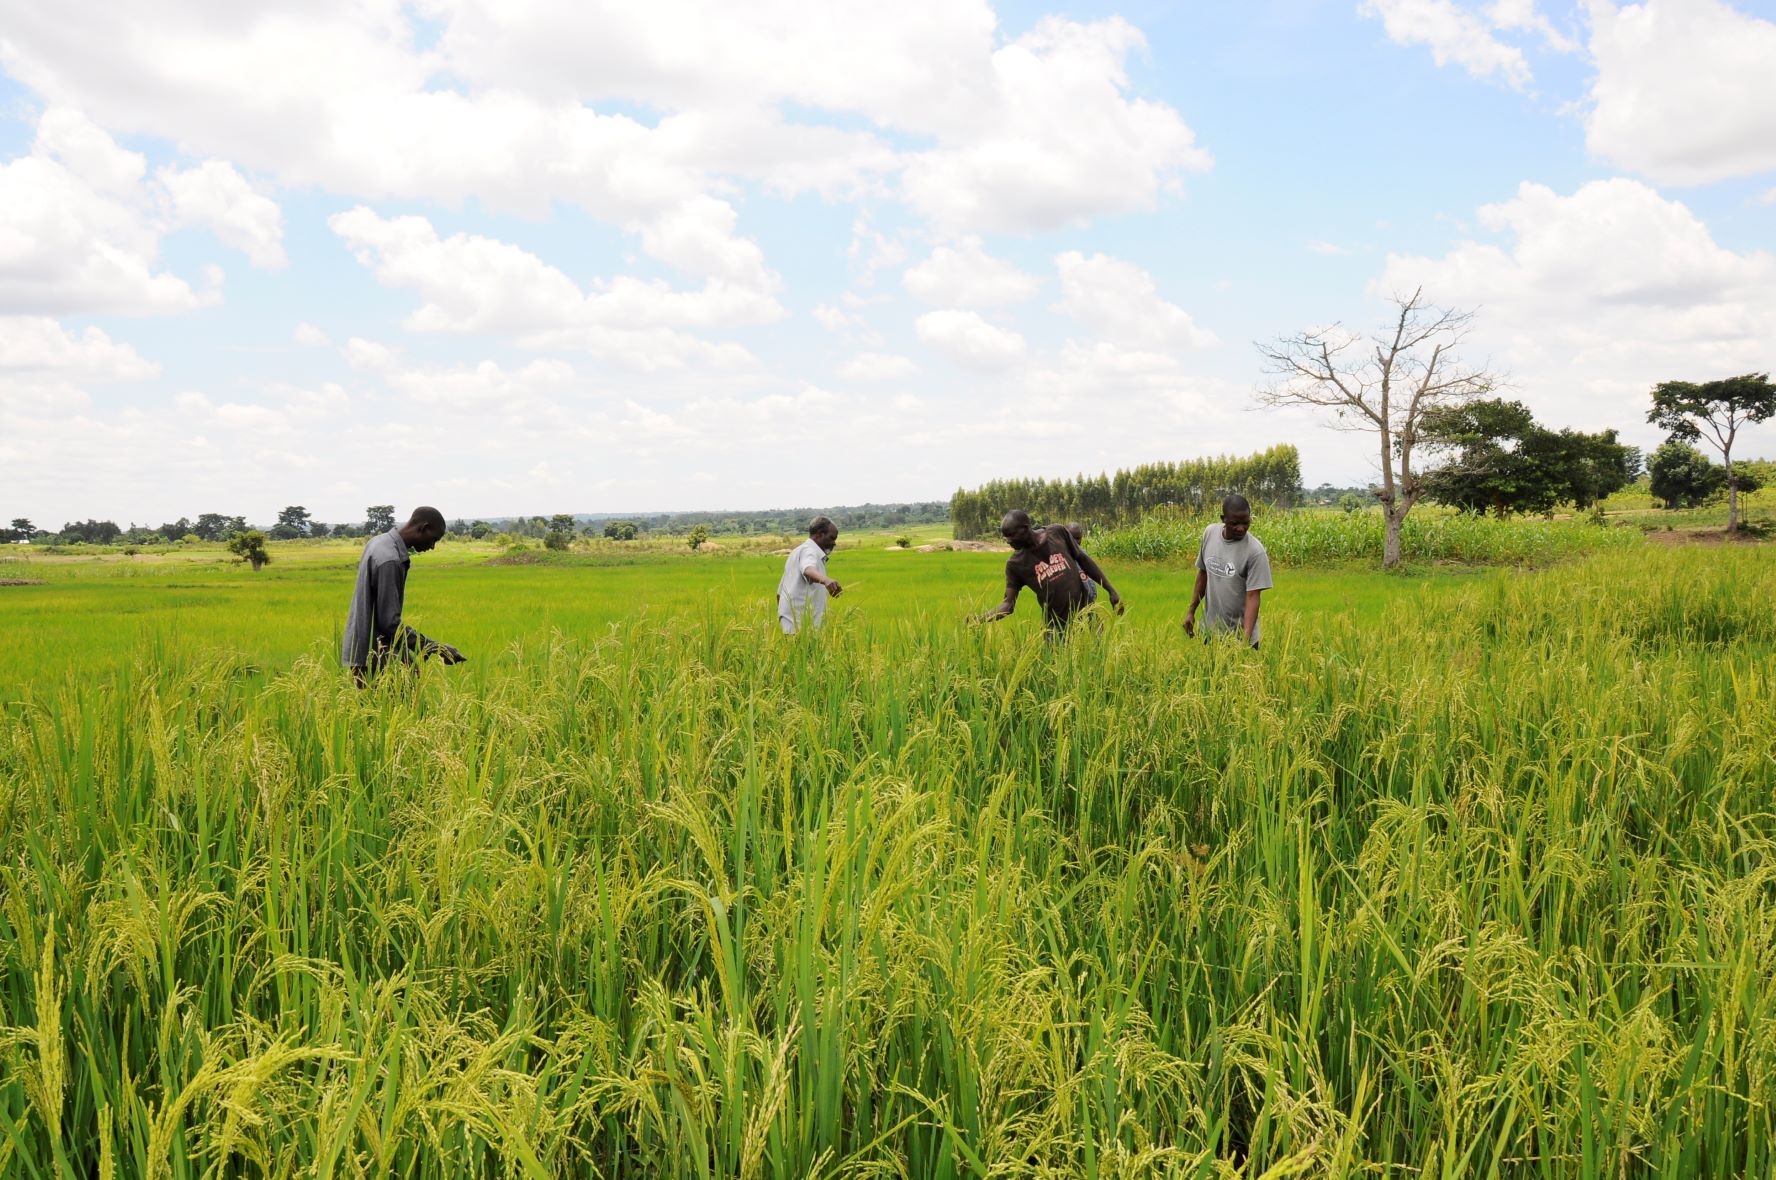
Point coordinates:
pixel 373 629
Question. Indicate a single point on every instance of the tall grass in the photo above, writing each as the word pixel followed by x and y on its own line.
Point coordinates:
pixel 1486 892
pixel 1315 536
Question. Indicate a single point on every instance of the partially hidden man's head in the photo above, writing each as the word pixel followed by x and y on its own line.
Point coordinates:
pixel 1077 530
pixel 424 529
pixel 1017 530
pixel 823 532
pixel 1236 517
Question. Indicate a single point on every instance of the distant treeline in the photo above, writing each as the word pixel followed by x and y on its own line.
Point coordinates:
pixel 767 522
pixel 1270 477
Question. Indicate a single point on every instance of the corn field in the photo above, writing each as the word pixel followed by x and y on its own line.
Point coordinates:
pixel 1489 891
pixel 1310 536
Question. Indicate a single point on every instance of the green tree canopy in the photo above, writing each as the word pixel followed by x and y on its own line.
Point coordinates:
pixel 1715 411
pixel 1499 459
pixel 249 546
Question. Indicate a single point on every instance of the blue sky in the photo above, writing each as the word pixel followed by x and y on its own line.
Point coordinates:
pixel 608 257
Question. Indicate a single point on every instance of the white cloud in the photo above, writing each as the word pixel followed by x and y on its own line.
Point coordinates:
pixel 486 387
pixel 76 234
pixel 697 236
pixel 965 275
pixel 1328 248
pixel 1454 35
pixel 1056 140
pixel 878 366
pixel 1523 15
pixel 242 417
pixel 215 195
pixel 474 284
pixel 309 336
pixel 1121 304
pixel 835 319
pixel 847 323
pixel 871 251
pixel 969 340
pixel 1029 135
pixel 1685 91
pixel 1767 197
pixel 1598 295
pixel 88 153
pixel 368 354
pixel 38 345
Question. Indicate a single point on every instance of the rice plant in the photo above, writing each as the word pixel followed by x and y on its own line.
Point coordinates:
pixel 1488 891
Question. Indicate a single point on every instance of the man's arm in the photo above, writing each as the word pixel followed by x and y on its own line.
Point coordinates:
pixel 1257 582
pixel 813 573
pixel 1196 597
pixel 1092 569
pixel 1012 586
pixel 388 591
pixel 389 634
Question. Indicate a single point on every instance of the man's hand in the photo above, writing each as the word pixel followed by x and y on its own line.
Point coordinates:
pixel 833 588
pixel 1116 601
pixel 450 655
pixel 1190 624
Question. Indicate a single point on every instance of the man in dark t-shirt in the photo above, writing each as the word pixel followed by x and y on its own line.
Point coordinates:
pixel 1049 562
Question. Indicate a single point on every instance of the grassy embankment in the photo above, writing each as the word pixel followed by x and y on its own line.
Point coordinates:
pixel 1468 874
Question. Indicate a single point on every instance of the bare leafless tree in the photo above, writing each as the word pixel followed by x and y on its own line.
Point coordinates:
pixel 1383 384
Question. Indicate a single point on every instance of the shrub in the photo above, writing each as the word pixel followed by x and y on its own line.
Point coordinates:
pixel 250 547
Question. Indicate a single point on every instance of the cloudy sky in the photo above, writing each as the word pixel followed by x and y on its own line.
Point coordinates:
pixel 539 256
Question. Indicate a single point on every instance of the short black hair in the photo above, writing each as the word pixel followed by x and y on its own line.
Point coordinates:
pixel 429 519
pixel 1234 502
pixel 820 524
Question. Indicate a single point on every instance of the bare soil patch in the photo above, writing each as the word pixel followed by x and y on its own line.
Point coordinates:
pixel 1705 537
pixel 20 582
pixel 964 547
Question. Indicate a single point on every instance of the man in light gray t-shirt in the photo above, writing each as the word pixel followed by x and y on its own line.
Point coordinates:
pixel 803 589
pixel 1232 571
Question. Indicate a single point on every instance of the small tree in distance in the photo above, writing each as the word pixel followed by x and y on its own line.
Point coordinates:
pixel 379 518
pixel 1715 410
pixel 698 536
pixel 250 547
pixel 292 522
pixel 1383 385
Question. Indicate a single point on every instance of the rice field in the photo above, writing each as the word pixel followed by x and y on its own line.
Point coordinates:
pixel 1471 875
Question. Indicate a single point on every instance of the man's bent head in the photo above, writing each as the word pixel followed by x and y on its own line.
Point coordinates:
pixel 1017 529
pixel 424 529
pixel 823 532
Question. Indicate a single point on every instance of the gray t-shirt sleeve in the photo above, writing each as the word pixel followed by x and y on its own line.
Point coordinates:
pixel 1258 572
pixel 1202 547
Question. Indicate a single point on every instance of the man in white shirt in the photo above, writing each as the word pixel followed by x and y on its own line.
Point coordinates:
pixel 803 591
